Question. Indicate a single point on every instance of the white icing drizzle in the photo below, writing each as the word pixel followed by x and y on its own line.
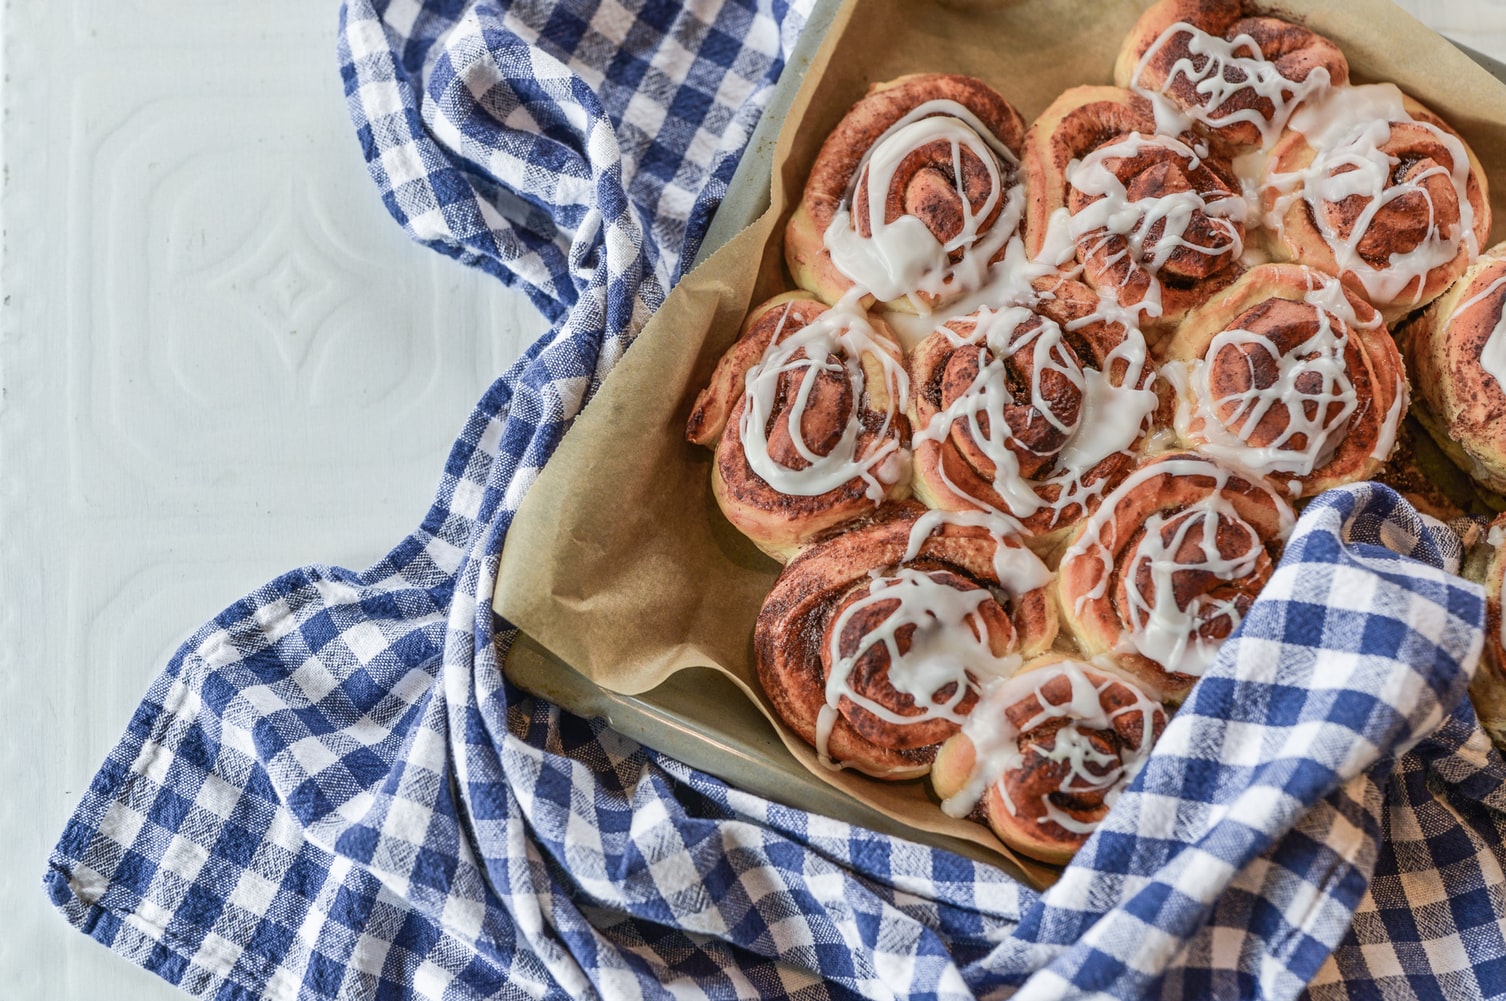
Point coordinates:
pixel 1249 169
pixel 1091 771
pixel 1155 625
pixel 1314 429
pixel 1109 420
pixel 902 258
pixel 835 342
pixel 949 646
pixel 1228 67
pixel 1347 129
pixel 1114 214
pixel 1385 442
pixel 1058 244
pixel 1167 632
pixel 1112 415
pixel 1493 351
pixel 1008 283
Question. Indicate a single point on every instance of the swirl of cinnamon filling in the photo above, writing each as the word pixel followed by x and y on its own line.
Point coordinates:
pixel 1156 221
pixel 805 412
pixel 1237 74
pixel 1045 754
pixel 1169 564
pixel 1372 187
pixel 1290 375
pixel 1031 410
pixel 873 643
pixel 912 196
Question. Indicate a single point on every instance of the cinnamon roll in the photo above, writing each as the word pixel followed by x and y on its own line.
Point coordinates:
pixel 912 196
pixel 805 412
pixel 1456 349
pixel 1046 753
pixel 1169 564
pixel 1290 375
pixel 1156 221
pixel 873 644
pixel 1369 185
pixel 1032 410
pixel 1235 73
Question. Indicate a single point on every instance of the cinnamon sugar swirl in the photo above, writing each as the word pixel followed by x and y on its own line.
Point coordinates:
pixel 1290 375
pixel 1457 352
pixel 1224 68
pixel 913 196
pixel 1156 221
pixel 1033 410
pixel 873 644
pixel 1046 753
pixel 1168 566
pixel 805 412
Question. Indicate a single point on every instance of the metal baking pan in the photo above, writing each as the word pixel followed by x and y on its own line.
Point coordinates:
pixel 698 716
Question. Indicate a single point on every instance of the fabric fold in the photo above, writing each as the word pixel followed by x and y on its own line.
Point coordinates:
pixel 1254 826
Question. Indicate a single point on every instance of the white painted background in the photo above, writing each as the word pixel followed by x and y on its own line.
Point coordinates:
pixel 203 292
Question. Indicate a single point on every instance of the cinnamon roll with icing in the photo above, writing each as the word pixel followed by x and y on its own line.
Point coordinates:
pixel 1370 186
pixel 1290 375
pixel 1456 349
pixel 1032 410
pixel 1046 752
pixel 1236 73
pixel 1155 221
pixel 1168 566
pixel 806 414
pixel 913 196
pixel 873 644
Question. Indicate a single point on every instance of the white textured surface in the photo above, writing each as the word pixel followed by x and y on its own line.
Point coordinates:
pixel 219 359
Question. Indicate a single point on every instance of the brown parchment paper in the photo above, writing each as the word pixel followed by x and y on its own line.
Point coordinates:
pixel 619 560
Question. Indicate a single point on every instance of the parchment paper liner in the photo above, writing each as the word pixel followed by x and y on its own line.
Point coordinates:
pixel 619 561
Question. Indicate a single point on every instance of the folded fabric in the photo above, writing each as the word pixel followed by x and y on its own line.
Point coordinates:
pixel 333 792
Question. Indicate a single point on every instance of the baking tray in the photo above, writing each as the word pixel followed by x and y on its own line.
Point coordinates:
pixel 697 715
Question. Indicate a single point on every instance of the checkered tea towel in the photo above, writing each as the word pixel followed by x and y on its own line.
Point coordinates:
pixel 332 791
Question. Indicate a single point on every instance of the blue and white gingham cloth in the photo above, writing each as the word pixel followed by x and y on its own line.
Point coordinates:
pixel 333 792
